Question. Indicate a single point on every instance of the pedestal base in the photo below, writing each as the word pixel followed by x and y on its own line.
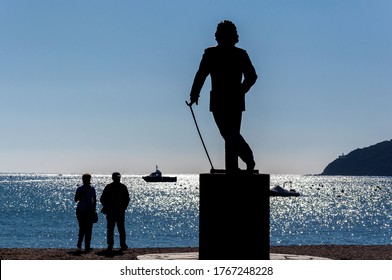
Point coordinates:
pixel 234 217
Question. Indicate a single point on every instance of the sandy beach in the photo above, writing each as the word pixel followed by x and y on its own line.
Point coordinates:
pixel 336 252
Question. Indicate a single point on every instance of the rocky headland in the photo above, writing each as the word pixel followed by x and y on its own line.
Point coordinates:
pixel 375 160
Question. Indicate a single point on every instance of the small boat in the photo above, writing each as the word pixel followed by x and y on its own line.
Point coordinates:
pixel 279 191
pixel 156 176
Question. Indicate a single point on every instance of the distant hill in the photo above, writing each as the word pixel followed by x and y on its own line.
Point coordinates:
pixel 374 160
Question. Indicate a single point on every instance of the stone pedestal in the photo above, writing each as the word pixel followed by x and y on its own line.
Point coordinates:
pixel 234 217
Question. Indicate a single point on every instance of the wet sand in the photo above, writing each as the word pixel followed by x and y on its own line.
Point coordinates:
pixel 336 252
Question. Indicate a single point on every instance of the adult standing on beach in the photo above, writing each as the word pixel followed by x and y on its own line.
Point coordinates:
pixel 232 76
pixel 115 200
pixel 86 198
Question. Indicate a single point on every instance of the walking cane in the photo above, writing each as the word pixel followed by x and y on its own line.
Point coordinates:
pixel 201 138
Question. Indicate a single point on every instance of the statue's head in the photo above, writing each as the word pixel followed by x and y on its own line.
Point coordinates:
pixel 226 33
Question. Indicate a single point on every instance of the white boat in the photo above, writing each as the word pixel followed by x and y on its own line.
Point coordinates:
pixel 279 191
pixel 156 176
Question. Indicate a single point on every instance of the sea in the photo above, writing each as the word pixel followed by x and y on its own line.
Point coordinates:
pixel 38 211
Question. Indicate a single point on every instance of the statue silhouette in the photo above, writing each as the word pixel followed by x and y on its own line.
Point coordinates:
pixel 232 75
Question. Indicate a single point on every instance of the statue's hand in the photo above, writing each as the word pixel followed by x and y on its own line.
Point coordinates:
pixel 191 102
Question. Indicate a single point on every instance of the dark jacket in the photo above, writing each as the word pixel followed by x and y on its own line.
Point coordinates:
pixel 86 198
pixel 115 198
pixel 227 65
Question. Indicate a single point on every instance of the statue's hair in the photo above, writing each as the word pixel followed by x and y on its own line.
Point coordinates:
pixel 226 33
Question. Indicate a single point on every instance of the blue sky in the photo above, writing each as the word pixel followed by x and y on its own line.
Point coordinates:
pixel 100 86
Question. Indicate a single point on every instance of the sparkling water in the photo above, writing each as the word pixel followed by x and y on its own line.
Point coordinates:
pixel 38 211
